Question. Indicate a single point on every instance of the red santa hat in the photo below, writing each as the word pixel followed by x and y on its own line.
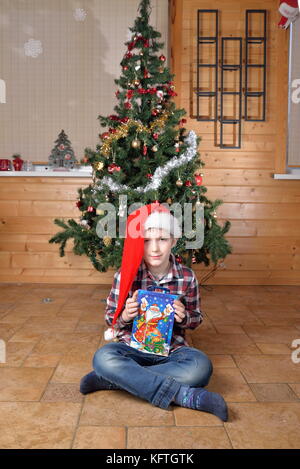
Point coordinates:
pixel 289 10
pixel 154 215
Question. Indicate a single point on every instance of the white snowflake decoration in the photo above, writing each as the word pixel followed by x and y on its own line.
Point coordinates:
pixel 79 14
pixel 33 48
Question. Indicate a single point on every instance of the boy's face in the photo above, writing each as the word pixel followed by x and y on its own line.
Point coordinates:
pixel 157 247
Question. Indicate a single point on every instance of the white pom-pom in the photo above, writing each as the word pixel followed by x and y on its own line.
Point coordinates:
pixel 110 334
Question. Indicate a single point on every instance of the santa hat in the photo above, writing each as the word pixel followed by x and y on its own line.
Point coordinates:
pixel 154 215
pixel 289 10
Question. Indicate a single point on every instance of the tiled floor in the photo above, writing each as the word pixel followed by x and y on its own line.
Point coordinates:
pixel 247 333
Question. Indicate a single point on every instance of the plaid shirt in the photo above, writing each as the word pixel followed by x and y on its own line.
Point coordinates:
pixel 180 280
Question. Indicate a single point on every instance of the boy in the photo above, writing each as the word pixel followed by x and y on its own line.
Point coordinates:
pixel 180 377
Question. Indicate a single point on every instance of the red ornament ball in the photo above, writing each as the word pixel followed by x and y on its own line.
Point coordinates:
pixel 113 167
pixel 162 58
pixel 188 183
pixel 198 180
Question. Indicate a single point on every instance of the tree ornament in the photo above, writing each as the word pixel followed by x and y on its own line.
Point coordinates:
pixel 90 208
pixel 107 241
pixel 136 143
pixel 149 176
pixel 188 183
pixel 199 179
pixel 125 68
pixel 79 204
pixel 136 82
pixel 145 150
pixel 179 182
pixel 113 167
pixel 99 165
pixel 127 105
pixel 155 136
pixel 154 148
pixel 162 58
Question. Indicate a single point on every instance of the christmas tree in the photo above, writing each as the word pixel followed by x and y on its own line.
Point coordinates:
pixel 62 155
pixel 146 155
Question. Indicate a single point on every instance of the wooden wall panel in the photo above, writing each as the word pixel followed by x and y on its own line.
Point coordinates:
pixel 264 212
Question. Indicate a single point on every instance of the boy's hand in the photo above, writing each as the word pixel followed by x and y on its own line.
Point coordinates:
pixel 179 311
pixel 131 308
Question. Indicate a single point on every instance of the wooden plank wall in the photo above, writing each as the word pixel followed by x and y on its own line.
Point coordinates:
pixel 265 213
pixel 28 206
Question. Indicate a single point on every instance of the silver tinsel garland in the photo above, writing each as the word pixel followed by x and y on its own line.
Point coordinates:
pixel 159 174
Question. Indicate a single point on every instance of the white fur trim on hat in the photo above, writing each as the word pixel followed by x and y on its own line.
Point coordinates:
pixel 164 221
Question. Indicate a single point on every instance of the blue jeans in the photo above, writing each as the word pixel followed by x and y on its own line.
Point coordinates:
pixel 152 377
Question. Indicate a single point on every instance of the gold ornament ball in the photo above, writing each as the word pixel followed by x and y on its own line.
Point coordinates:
pixel 136 82
pixel 179 182
pixel 154 148
pixel 135 143
pixel 107 241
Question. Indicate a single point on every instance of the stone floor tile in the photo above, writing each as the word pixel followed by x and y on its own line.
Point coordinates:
pixel 36 425
pixel 274 349
pixel 62 392
pixel 73 366
pixel 225 344
pixel 100 438
pixel 296 389
pixel 195 418
pixel 23 384
pixel 273 392
pixel 16 353
pixel 264 425
pixel 230 383
pixel 63 342
pixel 121 408
pixel 42 360
pixel 271 334
pixel 176 438
pixel 222 361
pixel 268 368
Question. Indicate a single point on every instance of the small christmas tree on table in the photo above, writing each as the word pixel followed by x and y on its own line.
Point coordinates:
pixel 145 155
pixel 62 155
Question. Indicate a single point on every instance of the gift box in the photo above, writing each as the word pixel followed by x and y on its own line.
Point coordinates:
pixel 153 326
